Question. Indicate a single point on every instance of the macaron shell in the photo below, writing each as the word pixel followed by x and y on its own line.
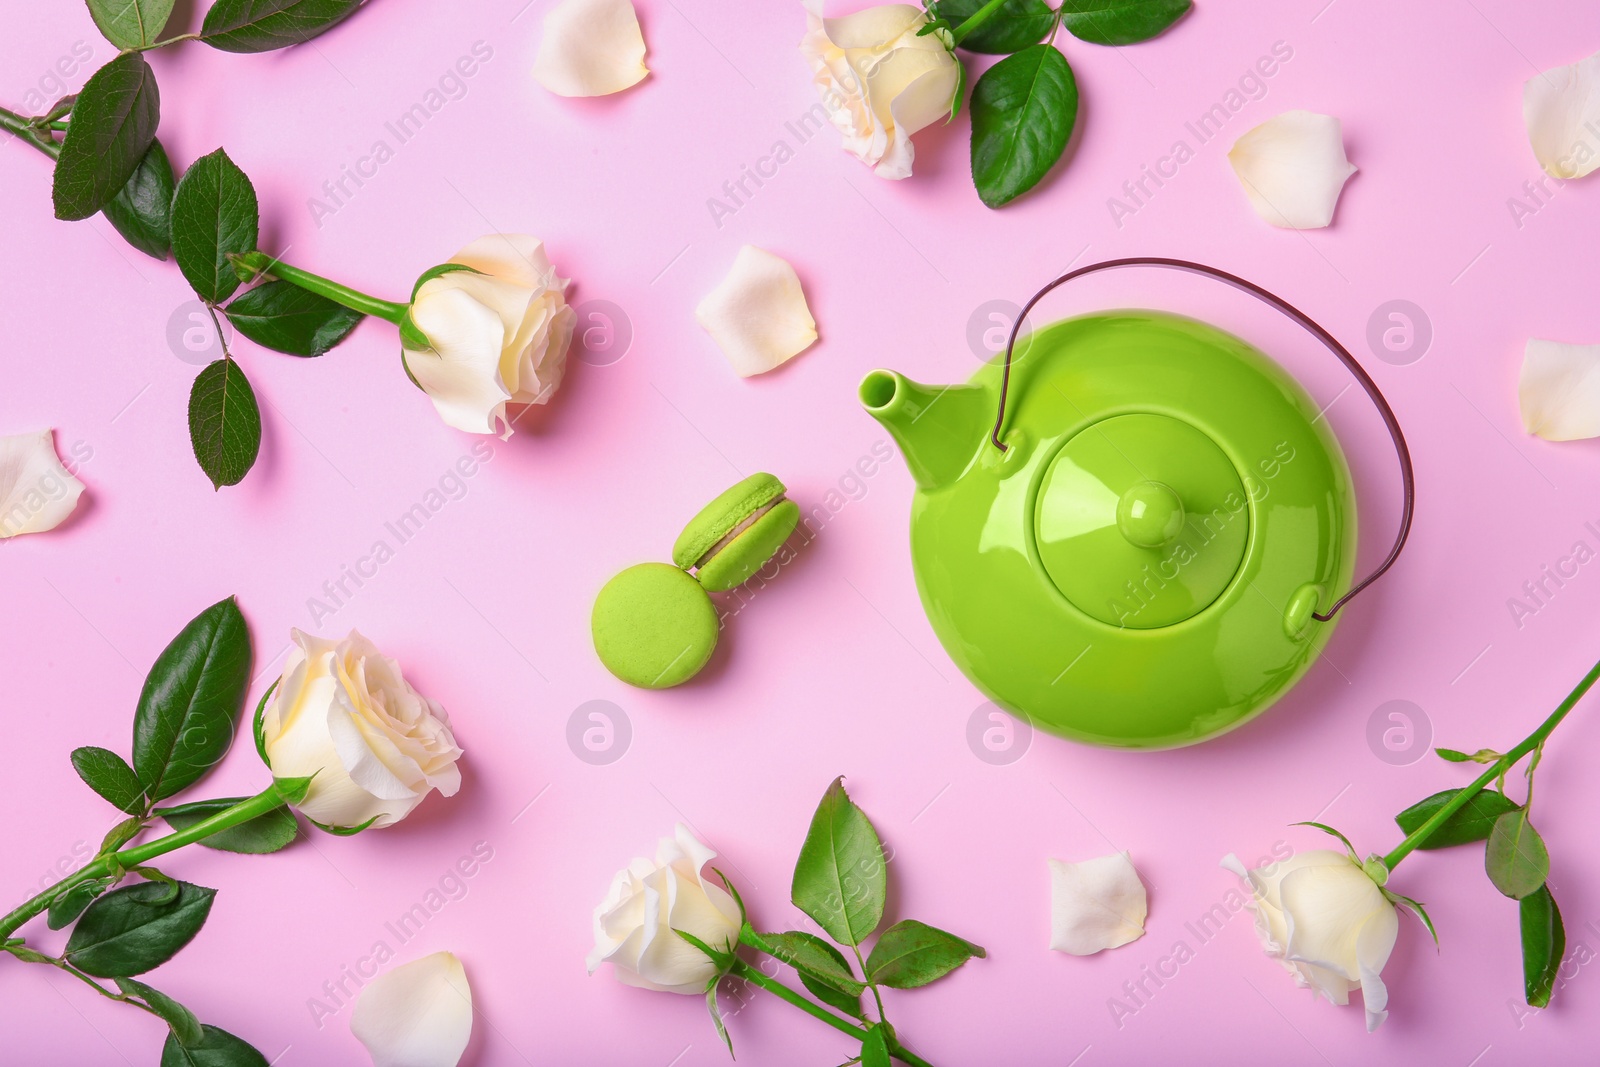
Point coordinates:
pixel 736 561
pixel 723 515
pixel 654 626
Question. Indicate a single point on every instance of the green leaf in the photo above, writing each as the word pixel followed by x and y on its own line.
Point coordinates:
pixel 1472 822
pixel 1023 109
pixel 1451 755
pixel 1014 27
pixel 809 954
pixel 840 878
pixel 265 833
pixel 1421 912
pixel 109 775
pixel 822 968
pixel 121 834
pixel 286 318
pixel 1516 858
pixel 1544 942
pixel 142 209
pixel 69 905
pixel 340 831
pixel 224 423
pixel 185 1027
pixel 131 23
pixel 113 124
pixel 214 214
pixel 263 25
pixel 217 1048
pixel 1120 21
pixel 293 790
pixel 131 930
pixel 875 1049
pixel 912 954
pixel 1325 828
pixel 191 700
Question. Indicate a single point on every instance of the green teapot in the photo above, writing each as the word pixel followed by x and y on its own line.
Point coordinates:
pixel 1134 530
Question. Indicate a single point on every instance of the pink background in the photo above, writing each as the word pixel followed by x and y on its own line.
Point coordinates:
pixel 832 669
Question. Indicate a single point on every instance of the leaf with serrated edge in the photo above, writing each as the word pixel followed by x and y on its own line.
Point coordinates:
pixel 1516 858
pixel 113 124
pixel 265 25
pixel 214 215
pixel 189 706
pixel 129 930
pixel 1119 22
pixel 1544 942
pixel 911 954
pixel 1471 822
pixel 840 878
pixel 131 23
pixel 1023 110
pixel 224 423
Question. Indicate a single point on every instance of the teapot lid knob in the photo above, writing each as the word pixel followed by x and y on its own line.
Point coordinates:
pixel 1149 515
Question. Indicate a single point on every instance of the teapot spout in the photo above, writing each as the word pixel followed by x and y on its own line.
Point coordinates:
pixel 938 428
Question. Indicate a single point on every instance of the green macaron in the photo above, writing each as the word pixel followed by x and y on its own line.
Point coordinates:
pixel 735 534
pixel 654 626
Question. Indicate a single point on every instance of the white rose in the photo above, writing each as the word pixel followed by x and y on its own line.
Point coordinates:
pixel 342 712
pixel 633 926
pixel 1327 922
pixel 496 334
pixel 880 82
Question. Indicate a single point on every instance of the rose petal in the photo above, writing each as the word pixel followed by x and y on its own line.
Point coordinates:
pixel 1559 391
pixel 1561 109
pixel 1292 167
pixel 461 373
pixel 1326 909
pixel 36 492
pixel 417 1015
pixel 1094 905
pixel 1373 946
pixel 590 48
pixel 758 315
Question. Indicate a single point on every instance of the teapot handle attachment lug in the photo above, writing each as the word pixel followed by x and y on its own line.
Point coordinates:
pixel 1302 605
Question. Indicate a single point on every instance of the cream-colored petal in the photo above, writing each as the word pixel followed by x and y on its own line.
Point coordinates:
pixel 758 315
pixel 1292 168
pixel 590 48
pixel 514 257
pixel 1094 905
pixel 36 492
pixel 1559 391
pixel 1561 109
pixel 1373 946
pixel 871 26
pixel 417 1015
pixel 461 372
pixel 1327 908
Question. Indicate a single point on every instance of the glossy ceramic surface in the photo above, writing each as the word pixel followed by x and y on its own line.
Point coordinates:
pixel 1137 569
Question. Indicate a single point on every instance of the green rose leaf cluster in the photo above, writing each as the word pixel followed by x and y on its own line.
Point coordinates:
pixel 188 714
pixel 841 883
pixel 1515 857
pixel 1024 108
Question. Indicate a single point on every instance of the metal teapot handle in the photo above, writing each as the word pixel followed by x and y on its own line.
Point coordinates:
pixel 1407 480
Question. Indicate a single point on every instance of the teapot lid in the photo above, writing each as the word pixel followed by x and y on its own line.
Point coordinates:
pixel 1141 520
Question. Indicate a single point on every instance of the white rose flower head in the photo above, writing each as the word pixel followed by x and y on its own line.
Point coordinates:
pixel 343 715
pixel 1322 916
pixel 879 81
pixel 635 925
pixel 488 328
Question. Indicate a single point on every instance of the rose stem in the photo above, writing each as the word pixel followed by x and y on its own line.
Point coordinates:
pixel 777 988
pixel 136 855
pixel 1498 767
pixel 354 299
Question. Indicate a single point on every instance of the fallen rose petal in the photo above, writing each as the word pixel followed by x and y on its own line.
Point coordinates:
pixel 758 315
pixel 1559 391
pixel 1292 168
pixel 1095 905
pixel 1561 109
pixel 36 492
pixel 590 48
pixel 417 1015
